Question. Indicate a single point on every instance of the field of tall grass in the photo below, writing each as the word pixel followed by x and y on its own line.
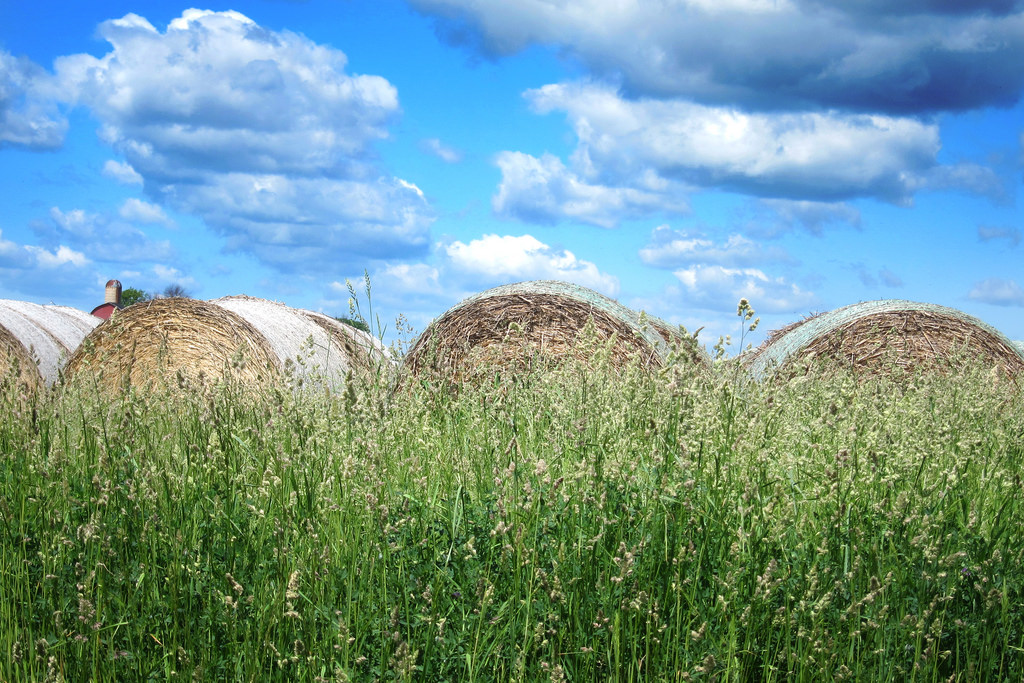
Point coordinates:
pixel 572 523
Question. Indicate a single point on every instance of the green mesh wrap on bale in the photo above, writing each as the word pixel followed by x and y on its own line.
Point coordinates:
pixel 867 335
pixel 510 325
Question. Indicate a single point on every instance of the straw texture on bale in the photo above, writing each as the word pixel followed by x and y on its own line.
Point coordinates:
pixel 177 341
pixel 510 325
pixel 40 338
pixel 872 336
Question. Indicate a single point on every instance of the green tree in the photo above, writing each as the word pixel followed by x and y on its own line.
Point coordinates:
pixel 133 295
pixel 353 322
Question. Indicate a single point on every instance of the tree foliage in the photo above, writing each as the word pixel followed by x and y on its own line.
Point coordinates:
pixel 133 295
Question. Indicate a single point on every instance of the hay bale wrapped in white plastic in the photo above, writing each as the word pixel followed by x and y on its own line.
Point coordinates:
pixel 308 344
pixel 257 342
pixel 40 339
pixel 874 336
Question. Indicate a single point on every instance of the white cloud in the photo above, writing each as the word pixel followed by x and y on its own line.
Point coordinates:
pixel 172 275
pixel 35 273
pixel 121 172
pixel 719 288
pixel 61 256
pixel 462 268
pixel 143 212
pixel 543 190
pixel 998 291
pixel 103 237
pixel 261 133
pixel 498 259
pixel 670 248
pixel 8 249
pixel 76 222
pixel 442 151
pixel 820 156
pixel 29 117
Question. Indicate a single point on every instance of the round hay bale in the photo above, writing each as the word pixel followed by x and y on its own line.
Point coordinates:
pixel 309 344
pixel 685 345
pixel 510 325
pixel 873 336
pixel 669 333
pixel 182 342
pixel 40 339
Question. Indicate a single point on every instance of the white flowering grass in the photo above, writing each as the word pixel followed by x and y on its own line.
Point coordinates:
pixel 572 524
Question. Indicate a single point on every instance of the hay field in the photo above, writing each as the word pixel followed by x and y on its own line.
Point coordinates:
pixel 594 521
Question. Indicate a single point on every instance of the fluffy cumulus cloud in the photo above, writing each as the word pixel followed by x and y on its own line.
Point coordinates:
pixel 26 257
pixel 543 190
pixel 263 134
pixel 30 269
pixel 461 268
pixel 715 287
pixel 143 212
pixel 670 248
pixel 29 117
pixel 866 55
pixel 814 101
pixel 998 291
pixel 820 156
pixel 121 172
pixel 172 276
pixel 496 259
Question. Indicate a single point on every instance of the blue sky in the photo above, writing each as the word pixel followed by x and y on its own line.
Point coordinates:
pixel 674 154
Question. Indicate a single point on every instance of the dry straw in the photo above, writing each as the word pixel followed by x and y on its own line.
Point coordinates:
pixel 875 336
pixel 515 325
pixel 40 339
pixel 679 341
pixel 184 342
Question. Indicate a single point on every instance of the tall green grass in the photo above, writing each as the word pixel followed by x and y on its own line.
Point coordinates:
pixel 573 523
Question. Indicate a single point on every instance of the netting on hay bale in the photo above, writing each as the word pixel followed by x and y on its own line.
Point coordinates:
pixel 40 339
pixel 180 341
pixel 683 344
pixel 315 345
pixel 510 325
pixel 873 336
